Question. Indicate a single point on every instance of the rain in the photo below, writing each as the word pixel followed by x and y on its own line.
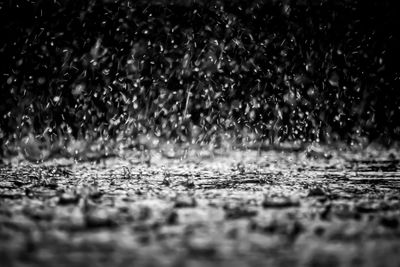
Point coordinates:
pixel 192 132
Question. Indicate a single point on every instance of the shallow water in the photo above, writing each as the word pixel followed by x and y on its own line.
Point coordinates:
pixel 243 208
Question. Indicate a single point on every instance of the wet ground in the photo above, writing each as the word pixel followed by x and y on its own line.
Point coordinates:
pixel 238 208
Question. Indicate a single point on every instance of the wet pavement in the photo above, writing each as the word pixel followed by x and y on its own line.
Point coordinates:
pixel 236 208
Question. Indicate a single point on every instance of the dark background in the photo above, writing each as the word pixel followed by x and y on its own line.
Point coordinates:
pixel 185 70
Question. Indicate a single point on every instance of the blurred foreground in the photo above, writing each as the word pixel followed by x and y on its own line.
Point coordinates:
pixel 243 208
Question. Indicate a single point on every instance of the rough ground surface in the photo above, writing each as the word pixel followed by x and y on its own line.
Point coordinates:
pixel 239 209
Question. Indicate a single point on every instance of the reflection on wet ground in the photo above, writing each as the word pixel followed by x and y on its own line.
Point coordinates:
pixel 244 208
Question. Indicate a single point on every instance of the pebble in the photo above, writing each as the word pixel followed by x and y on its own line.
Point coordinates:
pixel 280 202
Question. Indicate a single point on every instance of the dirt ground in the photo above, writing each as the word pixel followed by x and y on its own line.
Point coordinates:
pixel 238 208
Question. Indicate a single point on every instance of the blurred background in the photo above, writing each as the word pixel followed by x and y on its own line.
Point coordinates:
pixel 192 71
